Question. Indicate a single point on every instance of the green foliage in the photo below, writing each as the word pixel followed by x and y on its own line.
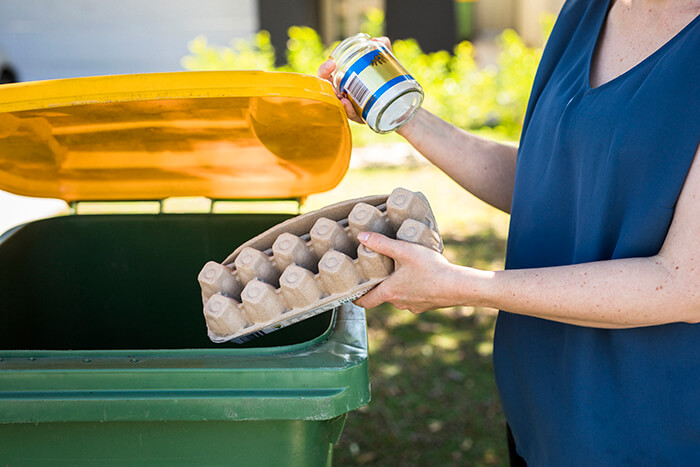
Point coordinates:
pixel 305 51
pixel 474 97
pixel 489 99
pixel 257 54
pixel 373 22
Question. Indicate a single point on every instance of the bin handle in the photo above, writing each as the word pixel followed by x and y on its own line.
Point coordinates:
pixel 73 206
pixel 298 200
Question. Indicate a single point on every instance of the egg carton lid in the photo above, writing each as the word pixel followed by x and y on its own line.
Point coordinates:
pixel 301 225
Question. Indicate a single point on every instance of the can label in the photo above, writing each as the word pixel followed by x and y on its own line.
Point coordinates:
pixel 370 77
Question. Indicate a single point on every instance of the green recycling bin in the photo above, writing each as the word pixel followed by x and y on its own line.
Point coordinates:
pixel 104 356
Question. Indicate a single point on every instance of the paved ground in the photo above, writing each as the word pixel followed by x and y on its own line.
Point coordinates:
pixel 15 210
pixel 386 155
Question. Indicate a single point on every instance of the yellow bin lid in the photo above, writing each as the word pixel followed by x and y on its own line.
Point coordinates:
pixel 223 135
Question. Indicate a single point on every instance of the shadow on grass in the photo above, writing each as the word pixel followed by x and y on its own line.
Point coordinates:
pixel 434 400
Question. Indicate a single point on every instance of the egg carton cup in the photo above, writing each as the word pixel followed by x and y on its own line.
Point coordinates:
pixel 309 264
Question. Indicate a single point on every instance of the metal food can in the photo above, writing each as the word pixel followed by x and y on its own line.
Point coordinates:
pixel 382 92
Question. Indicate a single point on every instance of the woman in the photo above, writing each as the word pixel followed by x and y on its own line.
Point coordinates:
pixel 597 354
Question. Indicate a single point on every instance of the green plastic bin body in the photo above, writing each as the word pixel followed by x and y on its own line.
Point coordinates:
pixel 104 357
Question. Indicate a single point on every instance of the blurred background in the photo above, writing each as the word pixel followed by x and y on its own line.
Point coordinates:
pixel 47 39
pixel 434 400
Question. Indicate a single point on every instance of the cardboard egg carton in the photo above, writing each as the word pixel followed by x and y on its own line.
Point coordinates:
pixel 309 264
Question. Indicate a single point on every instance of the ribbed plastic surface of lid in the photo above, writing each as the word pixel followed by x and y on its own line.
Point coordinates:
pixel 223 135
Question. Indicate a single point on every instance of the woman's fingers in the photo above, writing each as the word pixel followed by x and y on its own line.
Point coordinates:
pixel 350 110
pixel 374 297
pixel 325 69
pixel 385 41
pixel 324 72
pixel 417 283
pixel 383 244
pixel 395 250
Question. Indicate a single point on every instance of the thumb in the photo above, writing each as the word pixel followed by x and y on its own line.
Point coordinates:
pixel 382 244
pixel 325 69
pixel 374 297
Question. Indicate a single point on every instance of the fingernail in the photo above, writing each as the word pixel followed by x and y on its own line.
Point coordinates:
pixel 363 236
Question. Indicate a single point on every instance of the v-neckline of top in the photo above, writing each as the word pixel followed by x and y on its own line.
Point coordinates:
pixel 625 74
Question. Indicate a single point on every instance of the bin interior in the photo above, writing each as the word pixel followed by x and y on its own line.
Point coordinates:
pixel 128 281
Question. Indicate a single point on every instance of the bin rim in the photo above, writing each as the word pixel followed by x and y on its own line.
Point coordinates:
pixel 179 352
pixel 44 94
pixel 314 383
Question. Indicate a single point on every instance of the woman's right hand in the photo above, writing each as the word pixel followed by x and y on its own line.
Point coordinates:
pixel 325 71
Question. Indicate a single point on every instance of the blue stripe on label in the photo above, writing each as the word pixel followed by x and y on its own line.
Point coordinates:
pixel 358 66
pixel 388 85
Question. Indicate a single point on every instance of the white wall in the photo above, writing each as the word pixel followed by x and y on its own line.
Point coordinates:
pixel 48 39
pixel 522 15
pixel 530 11
pixel 495 15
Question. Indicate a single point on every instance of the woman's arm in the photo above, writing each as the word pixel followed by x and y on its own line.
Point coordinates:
pixel 623 293
pixel 484 168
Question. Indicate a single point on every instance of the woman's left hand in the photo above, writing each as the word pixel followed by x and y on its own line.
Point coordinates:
pixel 422 280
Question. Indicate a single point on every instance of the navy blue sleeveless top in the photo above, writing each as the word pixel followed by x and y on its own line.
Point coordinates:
pixel 598 175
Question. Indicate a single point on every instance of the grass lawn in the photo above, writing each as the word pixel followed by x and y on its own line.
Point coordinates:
pixel 434 400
